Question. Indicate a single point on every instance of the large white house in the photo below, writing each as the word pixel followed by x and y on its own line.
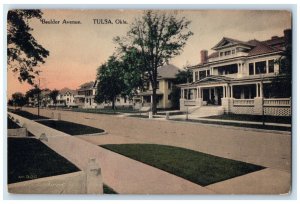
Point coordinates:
pixel 235 79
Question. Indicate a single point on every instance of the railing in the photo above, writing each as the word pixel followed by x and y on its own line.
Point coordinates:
pixel 278 102
pixel 189 102
pixel 238 54
pixel 243 102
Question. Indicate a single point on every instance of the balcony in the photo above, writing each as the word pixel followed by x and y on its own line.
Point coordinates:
pixel 238 54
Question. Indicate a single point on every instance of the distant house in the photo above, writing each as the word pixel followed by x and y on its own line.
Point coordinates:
pixel 236 78
pixel 166 76
pixel 85 97
pixel 66 97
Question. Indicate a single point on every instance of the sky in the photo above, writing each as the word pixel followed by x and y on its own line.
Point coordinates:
pixel 76 51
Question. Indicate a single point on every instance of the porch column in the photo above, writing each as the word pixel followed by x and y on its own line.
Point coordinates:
pixel 261 90
pixel 256 90
pixel 231 91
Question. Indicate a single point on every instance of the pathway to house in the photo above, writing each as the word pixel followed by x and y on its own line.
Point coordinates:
pixel 269 149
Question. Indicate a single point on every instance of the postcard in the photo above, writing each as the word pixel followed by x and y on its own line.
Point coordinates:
pixel 188 102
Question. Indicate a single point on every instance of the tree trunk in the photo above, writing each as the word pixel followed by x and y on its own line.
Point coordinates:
pixel 154 102
pixel 113 104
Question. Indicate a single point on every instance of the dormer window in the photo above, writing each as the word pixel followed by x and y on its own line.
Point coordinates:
pixel 221 54
pixel 227 53
pixel 233 52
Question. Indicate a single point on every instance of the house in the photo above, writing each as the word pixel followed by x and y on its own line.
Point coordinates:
pixel 85 97
pixel 235 78
pixel 165 78
pixel 66 97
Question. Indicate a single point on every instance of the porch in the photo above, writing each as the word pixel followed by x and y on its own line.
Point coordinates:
pixel 237 98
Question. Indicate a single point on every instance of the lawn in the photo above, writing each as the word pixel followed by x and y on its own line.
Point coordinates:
pixel 105 111
pixel 108 190
pixel 27 115
pixel 30 159
pixel 70 128
pixel 266 127
pixel 255 118
pixel 200 168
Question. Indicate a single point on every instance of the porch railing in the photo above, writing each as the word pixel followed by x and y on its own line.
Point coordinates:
pixel 243 102
pixel 277 102
pixel 189 102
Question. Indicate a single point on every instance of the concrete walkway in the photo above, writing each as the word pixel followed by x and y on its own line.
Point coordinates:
pixel 123 174
pixel 270 149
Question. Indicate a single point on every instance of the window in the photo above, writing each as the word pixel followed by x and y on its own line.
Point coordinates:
pixel 271 66
pixel 260 67
pixel 233 52
pixel 196 76
pixel 157 85
pixel 169 97
pixel 251 69
pixel 227 53
pixel 221 54
pixel 207 72
pixel 169 85
pixel 202 74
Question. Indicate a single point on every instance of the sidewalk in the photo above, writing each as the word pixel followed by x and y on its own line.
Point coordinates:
pixel 124 175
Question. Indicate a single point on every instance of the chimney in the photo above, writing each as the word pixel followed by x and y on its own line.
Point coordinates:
pixel 203 56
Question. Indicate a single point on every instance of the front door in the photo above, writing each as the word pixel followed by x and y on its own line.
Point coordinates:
pixel 219 91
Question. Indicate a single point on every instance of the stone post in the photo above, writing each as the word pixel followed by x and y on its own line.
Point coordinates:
pixel 167 115
pixel 94 182
pixel 258 105
pixel 181 101
pixel 150 115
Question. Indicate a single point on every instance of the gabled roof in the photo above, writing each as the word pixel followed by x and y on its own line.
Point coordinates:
pixel 168 71
pixel 87 86
pixel 226 42
pixel 262 48
pixel 66 90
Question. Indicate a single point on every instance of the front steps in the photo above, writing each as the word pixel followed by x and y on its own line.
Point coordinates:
pixel 205 111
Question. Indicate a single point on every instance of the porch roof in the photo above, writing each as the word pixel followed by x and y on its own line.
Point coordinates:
pixel 215 80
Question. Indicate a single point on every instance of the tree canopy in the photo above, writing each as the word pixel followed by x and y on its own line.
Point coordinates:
pixel 156 38
pixel 53 95
pixel 18 99
pixel 111 82
pixel 24 53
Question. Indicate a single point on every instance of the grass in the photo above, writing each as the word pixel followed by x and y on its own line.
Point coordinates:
pixel 30 159
pixel 105 111
pixel 200 168
pixel 70 128
pixel 108 190
pixel 256 118
pixel 265 127
pixel 142 116
pixel 27 115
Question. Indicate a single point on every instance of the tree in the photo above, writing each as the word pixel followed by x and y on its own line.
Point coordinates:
pixel 23 51
pixel 281 86
pixel 111 83
pixel 183 76
pixel 53 95
pixel 157 37
pixel 18 99
pixel 32 94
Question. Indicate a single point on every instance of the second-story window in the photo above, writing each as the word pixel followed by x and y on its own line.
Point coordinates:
pixel 233 52
pixel 227 53
pixel 260 67
pixel 202 74
pixel 207 72
pixel 157 85
pixel 271 66
pixel 251 69
pixel 169 85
